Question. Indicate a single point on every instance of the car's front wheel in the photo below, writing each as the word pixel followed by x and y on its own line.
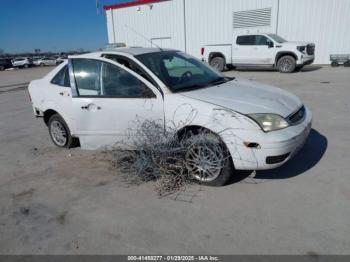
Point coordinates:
pixel 60 133
pixel 208 160
pixel 286 64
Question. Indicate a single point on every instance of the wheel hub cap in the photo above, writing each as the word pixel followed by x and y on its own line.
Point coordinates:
pixel 58 133
pixel 204 163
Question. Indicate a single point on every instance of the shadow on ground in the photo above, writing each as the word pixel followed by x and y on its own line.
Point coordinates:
pixel 310 68
pixel 313 151
pixel 305 69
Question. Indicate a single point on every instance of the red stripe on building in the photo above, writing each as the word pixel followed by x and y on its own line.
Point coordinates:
pixel 132 3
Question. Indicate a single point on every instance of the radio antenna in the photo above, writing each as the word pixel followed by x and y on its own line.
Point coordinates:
pixel 141 35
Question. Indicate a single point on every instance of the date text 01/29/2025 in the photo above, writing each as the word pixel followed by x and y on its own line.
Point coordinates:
pixel 173 258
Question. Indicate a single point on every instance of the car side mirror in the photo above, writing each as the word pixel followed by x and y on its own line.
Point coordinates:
pixel 270 44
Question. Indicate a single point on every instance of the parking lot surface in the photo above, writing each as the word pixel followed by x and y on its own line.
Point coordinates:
pixel 55 201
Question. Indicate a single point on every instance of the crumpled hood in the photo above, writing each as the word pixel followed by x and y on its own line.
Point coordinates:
pixel 248 97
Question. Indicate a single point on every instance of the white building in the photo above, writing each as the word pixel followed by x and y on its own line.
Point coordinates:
pixel 190 24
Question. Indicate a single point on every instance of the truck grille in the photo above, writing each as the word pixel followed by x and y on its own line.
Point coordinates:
pixel 310 49
pixel 297 116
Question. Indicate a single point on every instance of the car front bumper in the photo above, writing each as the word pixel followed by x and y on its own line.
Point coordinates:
pixel 306 60
pixel 274 148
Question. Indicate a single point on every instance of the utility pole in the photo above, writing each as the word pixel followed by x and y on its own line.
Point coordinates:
pixel 98 7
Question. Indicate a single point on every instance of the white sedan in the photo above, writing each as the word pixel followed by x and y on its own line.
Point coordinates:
pixel 94 99
pixel 46 61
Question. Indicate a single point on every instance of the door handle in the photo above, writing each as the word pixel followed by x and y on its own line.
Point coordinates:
pixel 62 94
pixel 91 106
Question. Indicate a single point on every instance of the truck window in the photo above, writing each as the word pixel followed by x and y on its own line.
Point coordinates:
pixel 246 40
pixel 261 40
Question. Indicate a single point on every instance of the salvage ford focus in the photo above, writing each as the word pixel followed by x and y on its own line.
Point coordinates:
pixel 92 99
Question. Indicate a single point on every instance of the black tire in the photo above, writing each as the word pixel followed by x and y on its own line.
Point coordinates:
pixel 26 66
pixel 2 68
pixel 347 64
pixel 334 64
pixel 69 141
pixel 225 170
pixel 230 67
pixel 42 64
pixel 286 64
pixel 218 63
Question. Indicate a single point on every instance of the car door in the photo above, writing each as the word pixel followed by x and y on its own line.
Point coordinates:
pixel 111 102
pixel 59 94
pixel 263 51
pixel 242 50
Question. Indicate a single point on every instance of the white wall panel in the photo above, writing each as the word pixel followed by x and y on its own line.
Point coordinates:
pixel 159 20
pixel 324 22
pixel 211 21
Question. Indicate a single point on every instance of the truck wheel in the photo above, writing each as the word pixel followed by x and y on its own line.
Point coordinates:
pixel 334 64
pixel 60 133
pixel 218 63
pixel 286 64
pixel 208 160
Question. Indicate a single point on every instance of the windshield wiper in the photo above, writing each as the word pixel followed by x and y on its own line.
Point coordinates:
pixel 222 80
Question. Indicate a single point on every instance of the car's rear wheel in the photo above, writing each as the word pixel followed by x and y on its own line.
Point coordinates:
pixel 26 66
pixel 208 160
pixel 286 64
pixel 2 68
pixel 60 133
pixel 218 63
pixel 42 64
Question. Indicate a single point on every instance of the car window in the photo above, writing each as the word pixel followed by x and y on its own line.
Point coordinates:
pixel 246 40
pixel 178 66
pixel 100 79
pixel 180 71
pixel 117 82
pixel 261 40
pixel 87 76
pixel 62 77
pixel 132 66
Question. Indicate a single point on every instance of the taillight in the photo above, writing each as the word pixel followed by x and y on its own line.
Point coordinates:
pixel 202 51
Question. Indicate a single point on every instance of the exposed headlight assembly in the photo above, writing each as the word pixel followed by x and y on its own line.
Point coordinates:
pixel 269 122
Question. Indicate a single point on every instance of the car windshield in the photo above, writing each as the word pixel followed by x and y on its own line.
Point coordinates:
pixel 277 38
pixel 181 72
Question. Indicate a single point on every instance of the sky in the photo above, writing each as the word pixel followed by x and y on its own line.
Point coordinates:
pixel 52 25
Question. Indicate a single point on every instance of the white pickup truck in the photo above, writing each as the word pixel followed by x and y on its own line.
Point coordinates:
pixel 260 50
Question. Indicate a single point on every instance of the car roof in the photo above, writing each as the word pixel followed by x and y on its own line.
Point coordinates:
pixel 134 51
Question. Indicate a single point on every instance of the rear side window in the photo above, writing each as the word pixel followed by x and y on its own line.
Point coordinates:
pixel 62 77
pixel 246 40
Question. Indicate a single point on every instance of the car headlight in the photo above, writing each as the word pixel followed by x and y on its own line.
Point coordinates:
pixel 269 122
